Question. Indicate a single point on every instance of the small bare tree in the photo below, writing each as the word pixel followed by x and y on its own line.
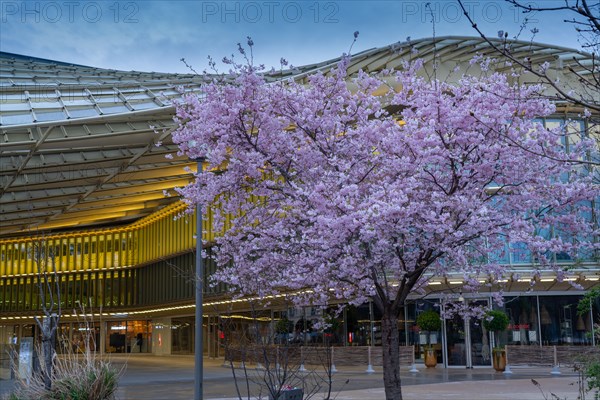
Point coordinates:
pixel 44 257
pixel 73 375
pixel 280 363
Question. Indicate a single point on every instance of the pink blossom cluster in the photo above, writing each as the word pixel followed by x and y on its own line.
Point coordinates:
pixel 355 195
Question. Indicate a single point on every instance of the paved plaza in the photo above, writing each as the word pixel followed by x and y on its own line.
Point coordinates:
pixel 148 377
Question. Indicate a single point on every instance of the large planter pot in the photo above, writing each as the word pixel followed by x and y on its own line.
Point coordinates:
pixel 499 359
pixel 430 358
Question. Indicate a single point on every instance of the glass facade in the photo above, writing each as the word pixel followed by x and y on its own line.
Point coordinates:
pixel 129 337
pixel 161 282
pixel 560 322
pixel 413 333
pixel 83 336
pixel 363 326
pixel 541 320
pixel 596 322
pixel 182 335
pixel 548 320
pixel 150 264
pixel 523 327
pixel 110 268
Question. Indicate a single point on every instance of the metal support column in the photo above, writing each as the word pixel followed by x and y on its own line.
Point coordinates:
pixel 199 346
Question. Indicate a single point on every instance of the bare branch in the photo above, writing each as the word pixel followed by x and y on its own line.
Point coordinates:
pixel 530 67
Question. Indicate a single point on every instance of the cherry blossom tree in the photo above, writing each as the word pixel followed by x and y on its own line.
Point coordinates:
pixel 334 196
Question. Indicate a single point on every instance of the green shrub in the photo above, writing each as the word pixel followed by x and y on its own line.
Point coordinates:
pixel 283 325
pixel 592 373
pixel 495 321
pixel 429 321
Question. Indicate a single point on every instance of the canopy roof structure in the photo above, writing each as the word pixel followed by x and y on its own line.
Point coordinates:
pixel 80 147
pixel 85 147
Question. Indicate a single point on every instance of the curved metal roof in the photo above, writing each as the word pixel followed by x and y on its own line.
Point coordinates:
pixel 79 146
pixel 453 50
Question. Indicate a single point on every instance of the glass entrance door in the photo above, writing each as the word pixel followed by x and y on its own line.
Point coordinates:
pixel 456 341
pixel 479 338
pixel 467 343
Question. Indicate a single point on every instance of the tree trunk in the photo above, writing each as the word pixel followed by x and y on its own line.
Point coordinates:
pixel 391 356
pixel 48 350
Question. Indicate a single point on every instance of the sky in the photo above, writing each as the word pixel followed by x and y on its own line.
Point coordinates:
pixel 156 35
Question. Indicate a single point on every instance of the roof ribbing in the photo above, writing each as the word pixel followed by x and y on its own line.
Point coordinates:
pixel 79 145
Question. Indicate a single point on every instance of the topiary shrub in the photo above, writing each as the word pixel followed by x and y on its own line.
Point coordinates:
pixel 429 321
pixel 495 321
pixel 283 325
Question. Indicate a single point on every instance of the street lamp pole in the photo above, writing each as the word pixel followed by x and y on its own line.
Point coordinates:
pixel 199 347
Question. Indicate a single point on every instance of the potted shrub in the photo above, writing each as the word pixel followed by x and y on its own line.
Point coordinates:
pixel 429 321
pixel 282 329
pixel 496 321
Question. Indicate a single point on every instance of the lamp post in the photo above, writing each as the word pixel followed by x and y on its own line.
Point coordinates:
pixel 199 350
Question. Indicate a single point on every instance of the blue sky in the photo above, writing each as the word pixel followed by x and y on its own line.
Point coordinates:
pixel 155 35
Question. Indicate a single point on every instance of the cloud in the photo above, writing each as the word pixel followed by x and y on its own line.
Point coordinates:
pixel 155 35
